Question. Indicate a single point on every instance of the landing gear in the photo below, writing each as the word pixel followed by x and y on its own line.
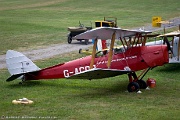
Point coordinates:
pixel 135 83
pixel 23 80
pixel 20 83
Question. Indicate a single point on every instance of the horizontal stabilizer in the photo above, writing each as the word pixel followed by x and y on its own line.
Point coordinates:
pixel 98 74
pixel 13 77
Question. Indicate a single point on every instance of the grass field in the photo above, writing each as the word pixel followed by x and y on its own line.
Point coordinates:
pixel 31 24
pixel 96 99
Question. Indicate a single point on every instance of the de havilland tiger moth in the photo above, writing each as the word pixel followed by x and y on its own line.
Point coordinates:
pixel 132 57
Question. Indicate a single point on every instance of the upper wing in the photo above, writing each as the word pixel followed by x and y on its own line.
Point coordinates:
pixel 171 34
pixel 98 73
pixel 105 33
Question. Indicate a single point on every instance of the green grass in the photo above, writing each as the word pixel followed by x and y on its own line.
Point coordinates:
pixel 96 99
pixel 31 24
pixel 37 23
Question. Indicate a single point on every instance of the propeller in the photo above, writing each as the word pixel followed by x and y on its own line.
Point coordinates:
pixel 168 44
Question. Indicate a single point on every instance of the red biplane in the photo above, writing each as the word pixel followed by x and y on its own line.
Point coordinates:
pixel 132 57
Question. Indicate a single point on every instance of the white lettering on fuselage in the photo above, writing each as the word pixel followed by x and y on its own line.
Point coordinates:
pixel 116 60
pixel 68 73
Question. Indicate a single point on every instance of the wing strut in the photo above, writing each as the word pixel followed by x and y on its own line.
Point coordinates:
pixel 93 53
pixel 178 48
pixel 111 50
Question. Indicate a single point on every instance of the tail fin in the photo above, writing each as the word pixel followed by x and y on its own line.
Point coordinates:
pixel 18 64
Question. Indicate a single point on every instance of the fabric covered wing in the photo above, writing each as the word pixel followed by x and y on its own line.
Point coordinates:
pixel 98 74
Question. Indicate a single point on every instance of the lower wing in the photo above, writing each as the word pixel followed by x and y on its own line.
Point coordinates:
pixel 98 74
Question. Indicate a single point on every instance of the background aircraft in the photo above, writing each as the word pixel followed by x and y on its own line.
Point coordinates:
pixel 126 60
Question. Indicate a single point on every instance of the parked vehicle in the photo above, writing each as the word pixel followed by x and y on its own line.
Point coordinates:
pixel 77 30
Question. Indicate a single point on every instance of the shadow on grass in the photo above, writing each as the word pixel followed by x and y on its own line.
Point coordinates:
pixel 119 88
pixel 25 84
pixel 170 68
pixel 107 87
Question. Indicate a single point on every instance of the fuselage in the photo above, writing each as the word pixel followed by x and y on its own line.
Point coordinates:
pixel 133 58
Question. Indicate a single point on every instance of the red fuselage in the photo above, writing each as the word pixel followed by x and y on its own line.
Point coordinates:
pixel 135 58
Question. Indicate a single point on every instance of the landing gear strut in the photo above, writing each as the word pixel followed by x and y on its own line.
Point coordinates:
pixel 22 80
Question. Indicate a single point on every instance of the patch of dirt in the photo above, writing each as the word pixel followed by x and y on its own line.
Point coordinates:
pixel 54 50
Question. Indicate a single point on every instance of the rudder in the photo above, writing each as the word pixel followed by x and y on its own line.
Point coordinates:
pixel 17 63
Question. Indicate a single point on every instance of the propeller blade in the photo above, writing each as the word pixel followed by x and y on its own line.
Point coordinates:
pixel 168 44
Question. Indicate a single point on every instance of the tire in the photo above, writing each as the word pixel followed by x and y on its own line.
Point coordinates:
pixel 69 40
pixel 142 84
pixel 133 87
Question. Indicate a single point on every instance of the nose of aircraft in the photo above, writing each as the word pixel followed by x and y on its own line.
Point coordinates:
pixel 165 50
pixel 155 55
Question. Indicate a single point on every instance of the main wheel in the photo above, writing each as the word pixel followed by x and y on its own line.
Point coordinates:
pixel 69 39
pixel 133 87
pixel 142 84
